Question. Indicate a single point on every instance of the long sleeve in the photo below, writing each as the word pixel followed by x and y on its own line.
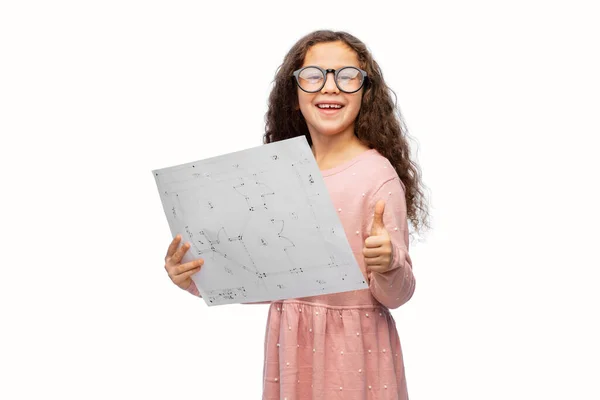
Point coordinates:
pixel 396 286
pixel 193 289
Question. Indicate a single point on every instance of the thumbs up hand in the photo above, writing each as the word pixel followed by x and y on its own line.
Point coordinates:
pixel 378 246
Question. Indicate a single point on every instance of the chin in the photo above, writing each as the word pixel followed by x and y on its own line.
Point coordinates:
pixel 328 130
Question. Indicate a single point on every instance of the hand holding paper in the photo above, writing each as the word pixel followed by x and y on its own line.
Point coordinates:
pixel 181 274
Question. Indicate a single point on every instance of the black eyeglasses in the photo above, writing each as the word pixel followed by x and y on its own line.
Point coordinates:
pixel 311 79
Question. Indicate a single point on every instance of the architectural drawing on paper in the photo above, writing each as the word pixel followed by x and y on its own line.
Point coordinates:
pixel 263 222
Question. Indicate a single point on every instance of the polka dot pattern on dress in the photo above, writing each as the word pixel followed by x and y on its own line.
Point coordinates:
pixel 336 345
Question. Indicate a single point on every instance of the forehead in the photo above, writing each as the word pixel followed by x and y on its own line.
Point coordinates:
pixel 331 55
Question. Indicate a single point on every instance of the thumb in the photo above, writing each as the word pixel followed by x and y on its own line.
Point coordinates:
pixel 378 225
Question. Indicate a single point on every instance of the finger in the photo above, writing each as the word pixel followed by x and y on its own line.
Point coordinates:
pixel 183 277
pixel 176 258
pixel 183 268
pixel 173 246
pixel 371 253
pixel 375 241
pixel 376 268
pixel 379 260
pixel 378 224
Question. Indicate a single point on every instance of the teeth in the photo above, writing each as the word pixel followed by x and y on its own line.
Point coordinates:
pixel 329 106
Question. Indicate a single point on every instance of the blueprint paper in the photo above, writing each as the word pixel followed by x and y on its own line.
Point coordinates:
pixel 263 221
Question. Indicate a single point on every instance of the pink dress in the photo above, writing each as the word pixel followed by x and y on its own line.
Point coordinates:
pixel 345 345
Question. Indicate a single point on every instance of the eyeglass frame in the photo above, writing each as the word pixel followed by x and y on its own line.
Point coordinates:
pixel 296 74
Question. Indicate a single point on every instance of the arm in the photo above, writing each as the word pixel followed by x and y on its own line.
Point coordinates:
pixel 395 286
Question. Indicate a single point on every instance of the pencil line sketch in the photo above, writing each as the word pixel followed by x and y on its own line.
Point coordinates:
pixel 263 221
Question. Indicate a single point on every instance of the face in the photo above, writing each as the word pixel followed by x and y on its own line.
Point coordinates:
pixel 323 120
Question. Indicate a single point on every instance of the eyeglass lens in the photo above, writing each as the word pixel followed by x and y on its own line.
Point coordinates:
pixel 349 79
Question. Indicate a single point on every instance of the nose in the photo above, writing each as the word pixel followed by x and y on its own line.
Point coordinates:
pixel 330 86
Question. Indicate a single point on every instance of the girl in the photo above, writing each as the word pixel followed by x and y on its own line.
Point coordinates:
pixel 343 345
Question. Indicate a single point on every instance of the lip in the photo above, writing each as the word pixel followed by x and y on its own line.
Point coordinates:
pixel 329 111
pixel 329 102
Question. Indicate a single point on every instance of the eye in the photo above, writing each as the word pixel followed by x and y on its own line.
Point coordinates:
pixel 349 74
pixel 313 77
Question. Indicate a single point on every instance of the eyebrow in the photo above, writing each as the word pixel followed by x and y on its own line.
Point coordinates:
pixel 336 68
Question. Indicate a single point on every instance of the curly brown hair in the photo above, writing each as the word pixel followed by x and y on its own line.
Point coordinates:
pixel 379 123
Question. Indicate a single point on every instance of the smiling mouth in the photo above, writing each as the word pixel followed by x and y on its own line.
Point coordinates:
pixel 329 106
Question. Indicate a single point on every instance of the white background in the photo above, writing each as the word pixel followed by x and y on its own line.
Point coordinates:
pixel 501 98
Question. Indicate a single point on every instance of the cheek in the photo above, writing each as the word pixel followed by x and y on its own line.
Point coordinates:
pixel 356 104
pixel 304 102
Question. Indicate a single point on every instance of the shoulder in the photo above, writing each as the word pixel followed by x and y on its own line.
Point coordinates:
pixel 375 172
pixel 380 181
pixel 361 181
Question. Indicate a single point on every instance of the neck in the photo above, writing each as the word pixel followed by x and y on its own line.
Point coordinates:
pixel 330 151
